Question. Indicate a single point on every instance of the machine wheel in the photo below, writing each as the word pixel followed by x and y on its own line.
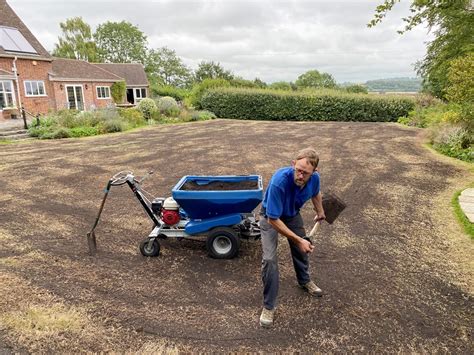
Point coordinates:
pixel 146 250
pixel 222 243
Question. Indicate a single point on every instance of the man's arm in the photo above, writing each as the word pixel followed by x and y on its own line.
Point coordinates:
pixel 318 206
pixel 304 245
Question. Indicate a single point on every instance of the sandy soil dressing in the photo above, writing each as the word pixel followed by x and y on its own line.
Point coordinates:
pixel 396 269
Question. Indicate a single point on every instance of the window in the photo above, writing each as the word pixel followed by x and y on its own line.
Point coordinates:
pixel 140 94
pixel 34 88
pixel 103 92
pixel 7 98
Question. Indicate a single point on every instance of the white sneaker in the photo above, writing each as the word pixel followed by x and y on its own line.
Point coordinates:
pixel 266 318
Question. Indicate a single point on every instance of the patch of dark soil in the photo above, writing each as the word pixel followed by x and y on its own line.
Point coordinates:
pixel 192 185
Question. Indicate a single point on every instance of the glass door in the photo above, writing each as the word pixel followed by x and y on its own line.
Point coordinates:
pixel 7 96
pixel 75 97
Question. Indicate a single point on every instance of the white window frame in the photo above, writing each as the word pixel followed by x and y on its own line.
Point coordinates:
pixel 137 94
pixel 37 83
pixel 2 89
pixel 106 91
pixel 75 96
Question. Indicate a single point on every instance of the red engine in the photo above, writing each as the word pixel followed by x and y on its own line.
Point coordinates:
pixel 170 217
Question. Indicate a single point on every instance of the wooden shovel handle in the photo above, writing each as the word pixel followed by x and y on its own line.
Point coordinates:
pixel 314 230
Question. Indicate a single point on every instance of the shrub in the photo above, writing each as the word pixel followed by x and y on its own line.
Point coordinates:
pixel 202 115
pixel 67 118
pixel 111 126
pixel 58 133
pixel 323 105
pixel 425 116
pixel 455 140
pixel 117 90
pixel 243 83
pixel 281 85
pixel 147 107
pixel 132 116
pixel 461 79
pixel 456 136
pixel 200 89
pixel 83 131
pixel 426 100
pixel 356 89
pixel 168 106
pixel 176 93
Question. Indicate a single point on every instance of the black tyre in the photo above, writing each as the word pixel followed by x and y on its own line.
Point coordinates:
pixel 147 250
pixel 222 243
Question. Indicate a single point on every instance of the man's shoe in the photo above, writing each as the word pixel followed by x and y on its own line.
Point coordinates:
pixel 266 318
pixel 312 289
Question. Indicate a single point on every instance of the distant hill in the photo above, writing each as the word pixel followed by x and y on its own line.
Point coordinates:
pixel 394 84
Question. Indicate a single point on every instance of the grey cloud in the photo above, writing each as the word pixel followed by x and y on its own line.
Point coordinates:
pixel 273 40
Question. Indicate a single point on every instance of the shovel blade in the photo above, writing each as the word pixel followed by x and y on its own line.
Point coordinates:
pixel 333 206
pixel 92 243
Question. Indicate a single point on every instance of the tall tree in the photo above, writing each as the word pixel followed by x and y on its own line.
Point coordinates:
pixel 76 41
pixel 452 23
pixel 121 42
pixel 315 79
pixel 211 70
pixel 164 67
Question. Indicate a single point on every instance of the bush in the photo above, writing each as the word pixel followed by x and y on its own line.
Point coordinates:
pixel 425 117
pixel 426 100
pixel 281 85
pixel 461 80
pixel 147 107
pixel 132 116
pixel 111 126
pixel 323 105
pixel 455 135
pixel 67 118
pixel 176 93
pixel 243 83
pixel 58 133
pixel 202 115
pixel 356 89
pixel 77 132
pixel 168 106
pixel 200 89
pixel 118 90
pixel 454 140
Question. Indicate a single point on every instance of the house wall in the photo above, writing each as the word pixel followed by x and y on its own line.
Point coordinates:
pixel 89 91
pixel 31 70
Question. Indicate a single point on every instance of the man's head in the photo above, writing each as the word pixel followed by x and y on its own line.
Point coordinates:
pixel 304 165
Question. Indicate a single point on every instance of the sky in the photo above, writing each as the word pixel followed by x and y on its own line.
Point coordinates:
pixel 274 40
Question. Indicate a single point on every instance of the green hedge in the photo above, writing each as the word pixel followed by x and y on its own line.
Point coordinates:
pixel 325 105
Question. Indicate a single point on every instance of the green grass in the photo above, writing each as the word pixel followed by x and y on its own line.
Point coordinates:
pixel 466 155
pixel 7 141
pixel 468 226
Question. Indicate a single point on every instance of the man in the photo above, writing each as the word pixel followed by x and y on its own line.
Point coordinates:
pixel 287 191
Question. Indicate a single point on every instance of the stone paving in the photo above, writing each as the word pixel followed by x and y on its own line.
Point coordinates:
pixel 466 201
pixel 10 124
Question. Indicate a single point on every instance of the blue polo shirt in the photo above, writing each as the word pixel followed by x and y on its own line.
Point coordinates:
pixel 284 198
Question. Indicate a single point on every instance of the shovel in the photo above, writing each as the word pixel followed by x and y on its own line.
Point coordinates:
pixel 333 206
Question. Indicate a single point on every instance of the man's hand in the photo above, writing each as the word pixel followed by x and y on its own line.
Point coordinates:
pixel 320 217
pixel 305 246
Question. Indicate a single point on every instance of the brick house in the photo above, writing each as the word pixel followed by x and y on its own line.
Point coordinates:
pixel 135 78
pixel 80 85
pixel 31 78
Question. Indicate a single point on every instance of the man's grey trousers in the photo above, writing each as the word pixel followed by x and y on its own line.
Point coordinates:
pixel 270 273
